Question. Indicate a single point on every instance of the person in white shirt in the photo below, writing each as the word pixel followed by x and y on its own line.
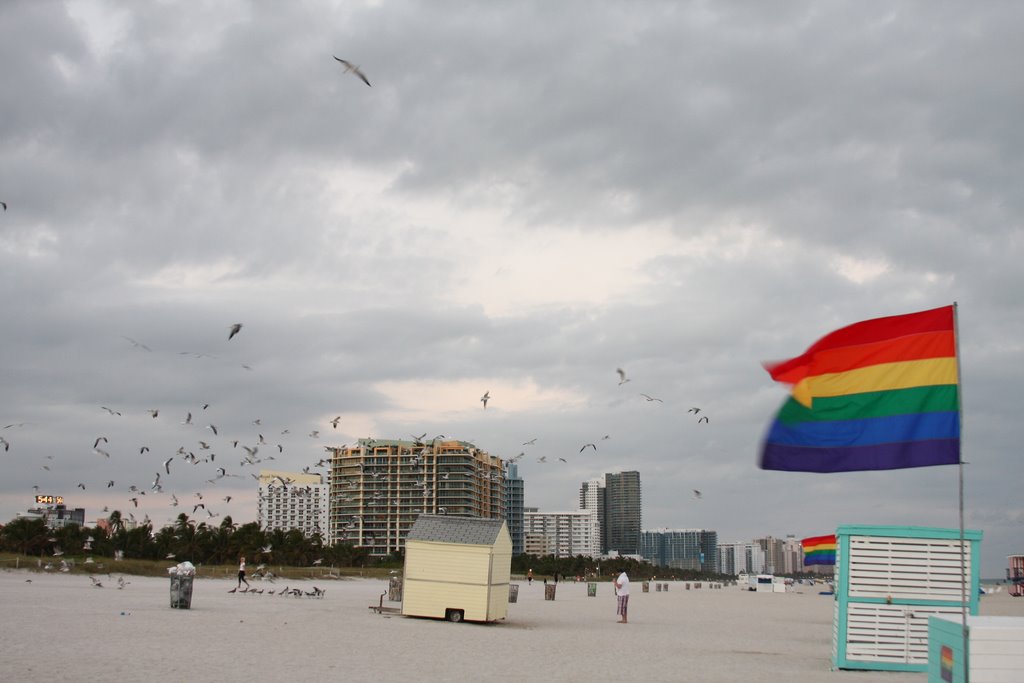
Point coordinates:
pixel 622 597
pixel 241 575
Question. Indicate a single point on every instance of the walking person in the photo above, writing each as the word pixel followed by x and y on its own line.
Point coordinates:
pixel 622 597
pixel 529 576
pixel 241 574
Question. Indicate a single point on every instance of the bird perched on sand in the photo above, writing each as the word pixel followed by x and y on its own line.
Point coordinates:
pixel 350 67
pixel 485 398
pixel 235 329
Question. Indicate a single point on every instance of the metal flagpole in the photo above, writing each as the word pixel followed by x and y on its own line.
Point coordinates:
pixel 960 467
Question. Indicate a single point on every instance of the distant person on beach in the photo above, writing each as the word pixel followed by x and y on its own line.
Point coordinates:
pixel 556 577
pixel 622 597
pixel 241 574
pixel 529 576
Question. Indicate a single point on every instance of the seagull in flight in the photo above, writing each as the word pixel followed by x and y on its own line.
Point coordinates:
pixel 235 329
pixel 349 66
pixel 697 494
pixel 588 445
pixel 530 442
pixel 167 464
pixel 485 398
pixel 335 421
pixel 703 419
pixel 694 410
pixel 622 376
pixel 651 398
pixel 136 344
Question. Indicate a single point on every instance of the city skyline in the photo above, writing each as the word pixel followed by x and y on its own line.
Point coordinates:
pixel 601 226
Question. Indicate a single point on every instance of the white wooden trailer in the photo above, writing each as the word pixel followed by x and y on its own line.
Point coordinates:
pixel 457 568
pixel 889 581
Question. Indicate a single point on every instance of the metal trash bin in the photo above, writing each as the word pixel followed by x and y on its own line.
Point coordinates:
pixel 549 591
pixel 591 590
pixel 181 591
pixel 395 589
pixel 647 586
pixel 513 592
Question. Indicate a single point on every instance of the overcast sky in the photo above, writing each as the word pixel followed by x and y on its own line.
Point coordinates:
pixel 528 197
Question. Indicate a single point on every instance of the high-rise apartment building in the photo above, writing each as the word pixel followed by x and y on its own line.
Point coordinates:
pixel 514 491
pixel 592 499
pixel 695 549
pixel 621 524
pixel 379 487
pixel 773 554
pixel 292 500
pixel 567 534
pixel 741 558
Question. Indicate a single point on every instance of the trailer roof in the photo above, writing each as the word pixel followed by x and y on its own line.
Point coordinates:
pixel 446 529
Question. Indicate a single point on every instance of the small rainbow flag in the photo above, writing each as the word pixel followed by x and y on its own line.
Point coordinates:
pixel 819 549
pixel 880 394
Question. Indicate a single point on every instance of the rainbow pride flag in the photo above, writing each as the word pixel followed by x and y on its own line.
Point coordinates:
pixel 819 549
pixel 877 395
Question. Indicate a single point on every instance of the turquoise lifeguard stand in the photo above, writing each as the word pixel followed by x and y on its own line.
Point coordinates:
pixel 888 581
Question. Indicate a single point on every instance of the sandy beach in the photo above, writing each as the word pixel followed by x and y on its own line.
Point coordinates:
pixel 60 625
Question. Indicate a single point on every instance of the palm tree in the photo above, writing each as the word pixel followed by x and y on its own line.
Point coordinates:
pixel 115 521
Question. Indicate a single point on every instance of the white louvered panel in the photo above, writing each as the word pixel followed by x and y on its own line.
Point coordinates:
pixel 890 633
pixel 905 569
pixel 835 630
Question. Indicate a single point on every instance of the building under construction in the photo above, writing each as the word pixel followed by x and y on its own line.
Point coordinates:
pixel 379 487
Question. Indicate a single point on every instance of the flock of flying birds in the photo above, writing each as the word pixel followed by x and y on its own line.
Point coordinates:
pixel 203 448
pixel 215 454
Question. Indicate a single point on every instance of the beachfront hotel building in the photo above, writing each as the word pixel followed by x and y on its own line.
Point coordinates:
pixel 56 516
pixel 536 545
pixel 695 549
pixel 292 500
pixel 378 488
pixel 745 557
pixel 514 499
pixel 567 534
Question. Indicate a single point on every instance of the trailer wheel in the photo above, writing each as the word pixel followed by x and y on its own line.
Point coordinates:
pixel 454 615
